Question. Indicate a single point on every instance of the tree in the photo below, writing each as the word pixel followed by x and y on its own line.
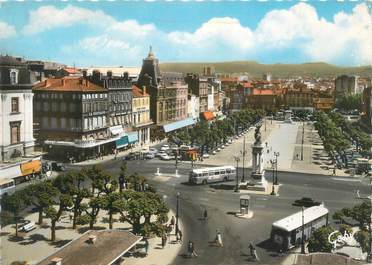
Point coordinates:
pixel 113 203
pixel 362 237
pixel 360 213
pixel 41 196
pixel 350 102
pixel 13 204
pixel 63 200
pixel 319 242
pixel 144 205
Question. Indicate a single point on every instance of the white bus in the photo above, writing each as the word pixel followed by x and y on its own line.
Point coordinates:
pixel 6 184
pixel 212 174
pixel 287 232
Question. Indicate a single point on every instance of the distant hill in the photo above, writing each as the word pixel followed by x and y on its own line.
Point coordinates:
pixel 256 70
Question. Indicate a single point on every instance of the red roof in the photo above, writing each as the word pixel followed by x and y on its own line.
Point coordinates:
pixel 71 70
pixel 137 92
pixel 65 84
pixel 208 115
pixel 265 92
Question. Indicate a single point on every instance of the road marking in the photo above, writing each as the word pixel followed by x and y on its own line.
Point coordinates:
pixel 346 179
pixel 261 199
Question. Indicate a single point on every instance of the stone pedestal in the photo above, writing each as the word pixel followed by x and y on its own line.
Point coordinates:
pixel 258 181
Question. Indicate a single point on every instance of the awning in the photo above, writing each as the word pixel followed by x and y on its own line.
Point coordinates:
pixel 208 115
pixel 31 167
pixel 178 124
pixel 116 130
pixel 122 142
pixel 132 137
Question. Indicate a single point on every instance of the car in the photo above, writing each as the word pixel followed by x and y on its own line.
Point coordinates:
pixel 236 137
pixel 149 155
pixel 153 150
pixel 218 149
pixel 28 226
pixel 159 154
pixel 222 146
pixel 206 155
pixel 165 157
pixel 130 156
pixel 165 147
pixel 214 152
pixel 57 166
pixel 229 141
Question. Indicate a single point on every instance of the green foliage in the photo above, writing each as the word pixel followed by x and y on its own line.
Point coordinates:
pixel 319 242
pixel 13 204
pixel 350 102
pixel 362 237
pixel 360 213
pixel 345 228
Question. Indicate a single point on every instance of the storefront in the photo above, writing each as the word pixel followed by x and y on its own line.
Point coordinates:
pixel 170 127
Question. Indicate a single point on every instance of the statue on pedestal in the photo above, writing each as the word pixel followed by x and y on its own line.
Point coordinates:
pixel 257 135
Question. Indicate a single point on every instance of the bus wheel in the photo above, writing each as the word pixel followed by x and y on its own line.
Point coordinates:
pixel 204 182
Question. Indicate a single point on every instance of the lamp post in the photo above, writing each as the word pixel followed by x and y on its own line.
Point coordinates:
pixel 276 154
pixel 177 208
pixel 302 142
pixel 237 159
pixel 273 170
pixel 243 154
pixel 303 232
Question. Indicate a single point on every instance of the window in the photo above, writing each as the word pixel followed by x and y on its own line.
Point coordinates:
pixel 15 105
pixel 15 132
pixel 13 76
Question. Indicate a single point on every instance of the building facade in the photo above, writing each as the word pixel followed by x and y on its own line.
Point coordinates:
pixel 141 114
pixel 72 113
pixel 16 105
pixel 345 85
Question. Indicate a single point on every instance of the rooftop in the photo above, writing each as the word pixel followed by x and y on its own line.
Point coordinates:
pixel 109 245
pixel 68 84
pixel 137 92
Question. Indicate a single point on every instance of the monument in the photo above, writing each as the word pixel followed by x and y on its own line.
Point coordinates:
pixel 258 181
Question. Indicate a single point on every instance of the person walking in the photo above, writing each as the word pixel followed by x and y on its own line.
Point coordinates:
pixel 146 246
pixel 255 257
pixel 172 221
pixel 179 236
pixel 205 215
pixel 189 249
pixel 219 239
pixel 163 240
pixel 251 247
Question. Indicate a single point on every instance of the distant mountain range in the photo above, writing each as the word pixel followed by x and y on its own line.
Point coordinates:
pixel 256 70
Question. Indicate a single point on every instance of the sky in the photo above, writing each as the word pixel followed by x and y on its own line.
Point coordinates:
pixel 119 33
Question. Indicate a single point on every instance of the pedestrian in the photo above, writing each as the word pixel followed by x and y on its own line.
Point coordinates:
pixel 163 240
pixel 179 236
pixel 219 239
pixel 173 221
pixel 146 246
pixel 251 247
pixel 205 215
pixel 189 249
pixel 255 257
pixel 193 251
pixel 71 216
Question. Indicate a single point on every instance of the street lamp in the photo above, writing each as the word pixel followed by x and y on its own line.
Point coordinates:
pixel 303 232
pixel 243 153
pixel 177 206
pixel 272 167
pixel 276 154
pixel 237 159
pixel 302 142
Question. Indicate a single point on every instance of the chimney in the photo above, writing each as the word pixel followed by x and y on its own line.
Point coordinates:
pixel 57 261
pixel 109 74
pixel 92 239
pixel 143 90
pixel 126 75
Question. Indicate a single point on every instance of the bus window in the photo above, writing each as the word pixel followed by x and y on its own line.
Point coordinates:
pixel 228 171
pixel 205 174
pixel 211 173
pixel 222 172
pixel 216 172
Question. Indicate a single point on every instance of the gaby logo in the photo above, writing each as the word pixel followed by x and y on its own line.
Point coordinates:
pixel 339 239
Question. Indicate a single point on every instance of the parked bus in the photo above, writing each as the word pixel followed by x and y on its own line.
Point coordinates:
pixel 6 184
pixel 212 174
pixel 287 232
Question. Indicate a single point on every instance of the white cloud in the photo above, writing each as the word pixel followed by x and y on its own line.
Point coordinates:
pixel 50 17
pixel 7 31
pixel 346 39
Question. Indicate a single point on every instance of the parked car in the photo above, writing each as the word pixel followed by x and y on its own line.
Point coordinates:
pixel 229 141
pixel 149 155
pixel 130 156
pixel 165 157
pixel 222 146
pixel 205 155
pixel 153 150
pixel 214 152
pixel 57 166
pixel 165 147
pixel 161 153
pixel 28 226
pixel 218 149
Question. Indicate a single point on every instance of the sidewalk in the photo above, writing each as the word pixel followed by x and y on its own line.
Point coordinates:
pixel 35 245
pixel 120 155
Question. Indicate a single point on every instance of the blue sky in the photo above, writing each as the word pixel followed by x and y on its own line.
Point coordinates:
pixel 119 33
